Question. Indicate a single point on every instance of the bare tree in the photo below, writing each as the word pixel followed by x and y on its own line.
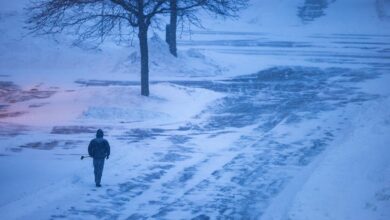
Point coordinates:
pixel 187 10
pixel 96 20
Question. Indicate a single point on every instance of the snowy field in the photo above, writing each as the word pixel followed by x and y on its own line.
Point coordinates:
pixel 263 117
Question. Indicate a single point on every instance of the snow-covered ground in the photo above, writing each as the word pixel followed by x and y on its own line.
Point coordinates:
pixel 280 114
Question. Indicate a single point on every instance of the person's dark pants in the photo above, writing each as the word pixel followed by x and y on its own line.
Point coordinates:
pixel 98 165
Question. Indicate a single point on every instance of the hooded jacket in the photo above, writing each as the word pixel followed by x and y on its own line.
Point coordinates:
pixel 99 148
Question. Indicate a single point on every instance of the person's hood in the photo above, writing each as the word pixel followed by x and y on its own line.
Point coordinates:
pixel 99 133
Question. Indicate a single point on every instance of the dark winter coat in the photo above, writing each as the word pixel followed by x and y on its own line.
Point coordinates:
pixel 99 148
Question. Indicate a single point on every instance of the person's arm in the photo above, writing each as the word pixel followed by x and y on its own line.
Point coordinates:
pixel 90 149
pixel 108 149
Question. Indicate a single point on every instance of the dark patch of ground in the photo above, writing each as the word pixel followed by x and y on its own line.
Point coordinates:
pixel 7 129
pixel 41 145
pixel 76 129
pixel 49 145
pixel 313 9
pixel 11 114
pixel 106 83
pixel 37 105
pixel 11 93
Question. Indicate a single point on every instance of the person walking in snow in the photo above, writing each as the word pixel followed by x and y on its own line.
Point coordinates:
pixel 99 149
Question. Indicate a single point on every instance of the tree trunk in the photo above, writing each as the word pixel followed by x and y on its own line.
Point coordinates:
pixel 167 34
pixel 143 45
pixel 172 27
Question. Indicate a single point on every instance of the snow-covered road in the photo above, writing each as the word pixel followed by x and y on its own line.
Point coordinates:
pixel 241 151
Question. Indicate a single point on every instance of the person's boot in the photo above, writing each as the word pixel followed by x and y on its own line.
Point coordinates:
pixel 98 185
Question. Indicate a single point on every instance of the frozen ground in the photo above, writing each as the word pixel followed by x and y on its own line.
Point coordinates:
pixel 282 127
